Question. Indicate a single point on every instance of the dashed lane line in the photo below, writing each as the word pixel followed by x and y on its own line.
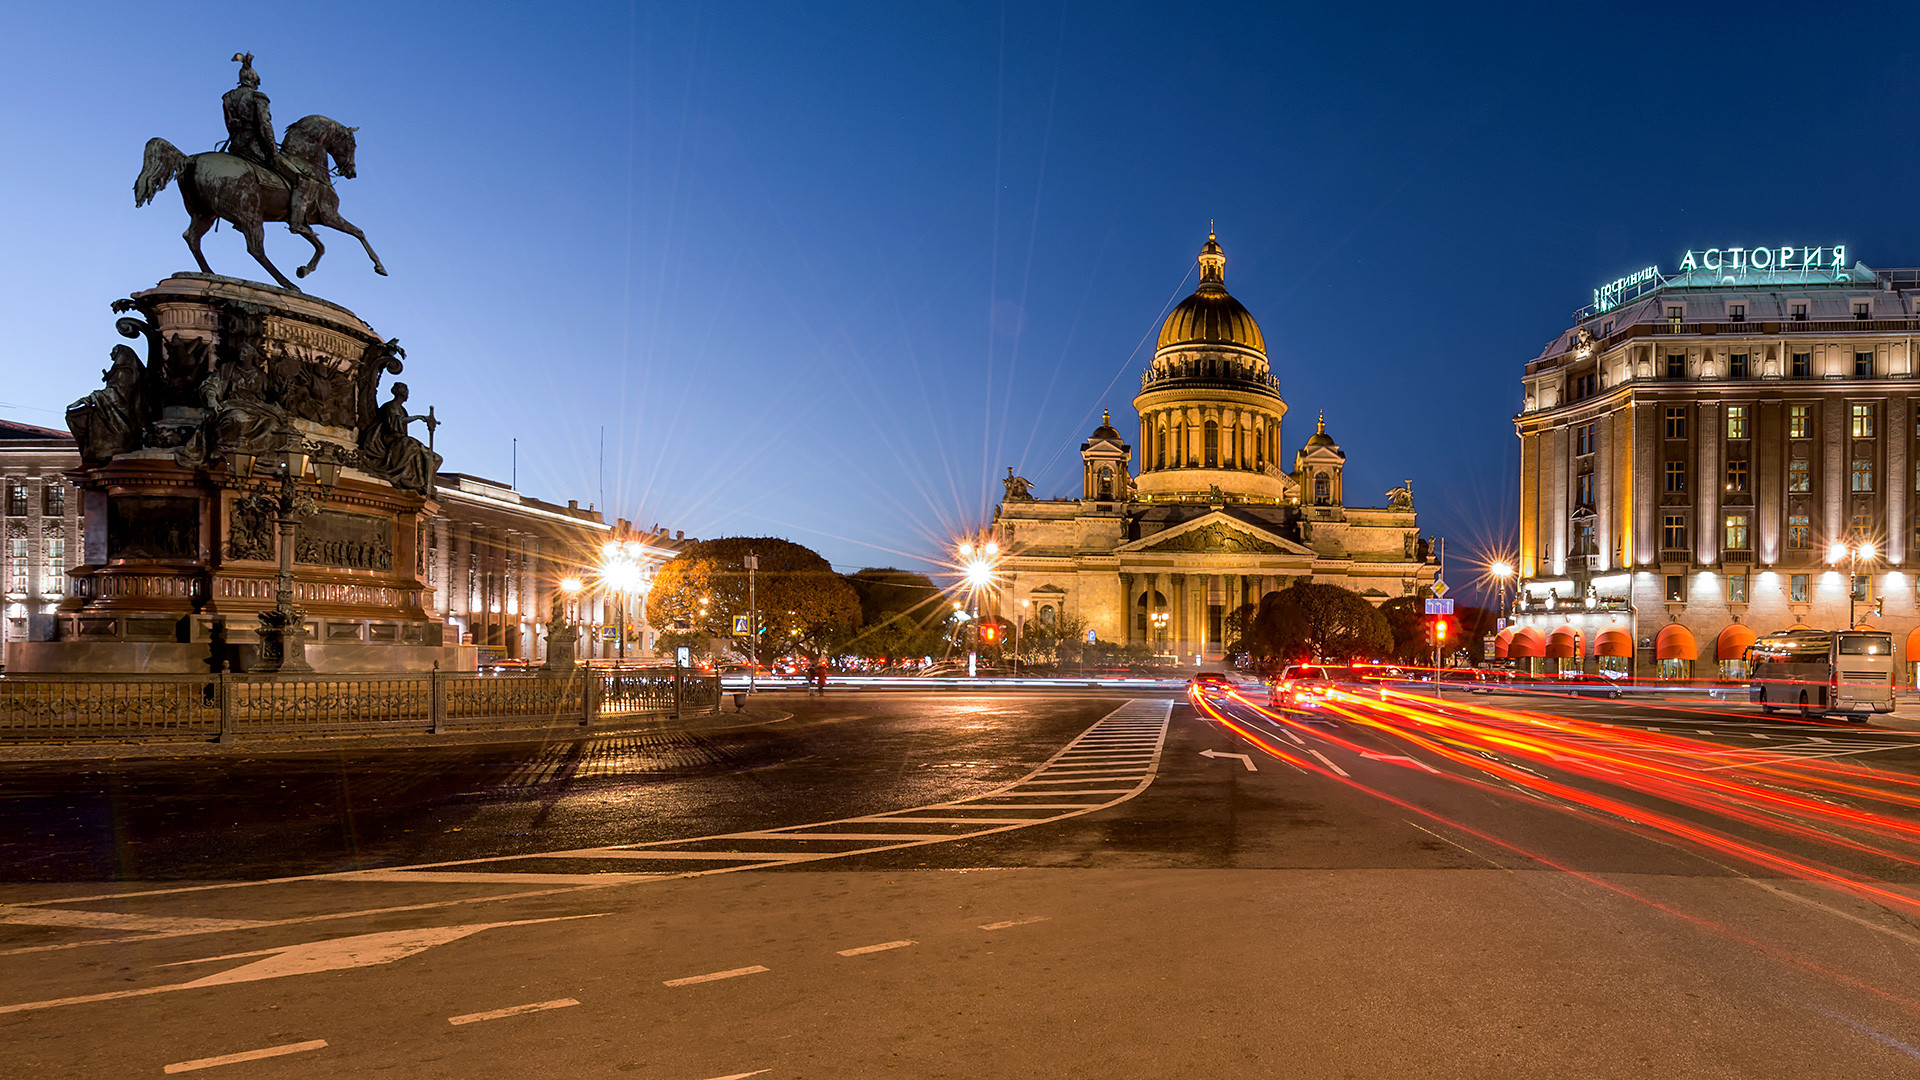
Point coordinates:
pixel 882 947
pixel 1012 922
pixel 245 1055
pixel 512 1010
pixel 716 976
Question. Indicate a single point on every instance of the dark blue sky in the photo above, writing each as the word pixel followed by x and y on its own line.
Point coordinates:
pixel 825 270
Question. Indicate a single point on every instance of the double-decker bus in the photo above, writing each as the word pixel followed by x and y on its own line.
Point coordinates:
pixel 1821 672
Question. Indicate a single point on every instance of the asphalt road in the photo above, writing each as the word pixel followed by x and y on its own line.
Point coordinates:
pixel 952 886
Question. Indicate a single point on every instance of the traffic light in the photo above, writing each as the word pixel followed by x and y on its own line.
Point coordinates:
pixel 987 632
pixel 1439 631
pixel 1879 605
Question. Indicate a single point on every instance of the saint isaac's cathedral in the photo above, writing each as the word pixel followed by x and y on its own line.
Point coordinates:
pixel 1165 547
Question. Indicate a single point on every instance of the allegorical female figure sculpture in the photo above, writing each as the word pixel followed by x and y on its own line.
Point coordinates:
pixel 387 449
pixel 109 420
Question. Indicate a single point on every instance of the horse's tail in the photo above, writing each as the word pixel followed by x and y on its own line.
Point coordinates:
pixel 162 164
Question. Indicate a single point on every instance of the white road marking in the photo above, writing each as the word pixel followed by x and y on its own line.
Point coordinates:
pixel 481 877
pixel 307 958
pixel 513 1010
pixel 1399 757
pixel 116 920
pixel 1327 761
pixel 247 1055
pixel 864 949
pixel 741 1076
pixel 1013 922
pixel 1244 759
pixel 1084 779
pixel 715 976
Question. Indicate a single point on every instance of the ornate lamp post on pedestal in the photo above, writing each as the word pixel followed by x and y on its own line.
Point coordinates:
pixel 1853 555
pixel 620 570
pixel 1159 620
pixel 978 563
pixel 283 634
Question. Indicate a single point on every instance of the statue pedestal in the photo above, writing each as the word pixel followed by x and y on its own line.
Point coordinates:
pixel 562 649
pixel 180 552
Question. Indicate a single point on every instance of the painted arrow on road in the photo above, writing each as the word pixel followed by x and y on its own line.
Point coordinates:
pixel 1244 759
pixel 333 954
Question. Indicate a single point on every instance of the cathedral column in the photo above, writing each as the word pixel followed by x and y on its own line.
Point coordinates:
pixel 1127 585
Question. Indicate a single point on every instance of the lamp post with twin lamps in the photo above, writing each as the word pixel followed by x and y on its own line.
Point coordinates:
pixel 623 573
pixel 1853 555
pixel 977 563
pixel 283 632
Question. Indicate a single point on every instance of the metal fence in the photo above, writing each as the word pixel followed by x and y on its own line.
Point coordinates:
pixel 50 708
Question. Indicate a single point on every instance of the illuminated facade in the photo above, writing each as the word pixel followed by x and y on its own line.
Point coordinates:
pixel 42 526
pixel 1163 549
pixel 1720 452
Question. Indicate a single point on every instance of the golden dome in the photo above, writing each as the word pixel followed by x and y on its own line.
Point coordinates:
pixel 1211 316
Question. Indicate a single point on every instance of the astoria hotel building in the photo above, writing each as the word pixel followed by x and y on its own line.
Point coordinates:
pixel 1720 452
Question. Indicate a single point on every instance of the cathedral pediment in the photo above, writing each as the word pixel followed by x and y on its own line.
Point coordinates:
pixel 1219 534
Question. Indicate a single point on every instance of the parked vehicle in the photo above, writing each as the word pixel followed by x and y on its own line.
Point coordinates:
pixel 1303 686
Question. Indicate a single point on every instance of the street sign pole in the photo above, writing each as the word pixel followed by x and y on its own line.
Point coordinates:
pixel 753 623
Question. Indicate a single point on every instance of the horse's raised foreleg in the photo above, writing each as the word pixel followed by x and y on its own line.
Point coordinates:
pixel 319 249
pixel 197 228
pixel 330 217
pixel 257 247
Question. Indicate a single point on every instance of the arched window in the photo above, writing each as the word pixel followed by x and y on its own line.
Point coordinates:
pixel 1148 604
pixel 1212 444
pixel 1322 490
pixel 1047 615
pixel 1105 488
pixel 1160 449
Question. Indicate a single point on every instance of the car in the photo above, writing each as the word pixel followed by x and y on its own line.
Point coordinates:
pixel 1210 683
pixel 1307 685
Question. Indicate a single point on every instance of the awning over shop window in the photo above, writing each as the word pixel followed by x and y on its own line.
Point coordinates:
pixel 1613 641
pixel 1733 642
pixel 1527 642
pixel 1913 646
pixel 1674 642
pixel 1563 643
pixel 1500 642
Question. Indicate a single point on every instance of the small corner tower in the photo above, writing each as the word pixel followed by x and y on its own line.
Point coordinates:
pixel 1318 469
pixel 1106 460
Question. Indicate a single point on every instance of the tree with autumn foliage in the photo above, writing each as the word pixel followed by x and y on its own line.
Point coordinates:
pixel 802 602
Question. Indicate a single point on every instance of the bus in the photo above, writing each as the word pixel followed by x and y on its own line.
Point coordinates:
pixel 1821 672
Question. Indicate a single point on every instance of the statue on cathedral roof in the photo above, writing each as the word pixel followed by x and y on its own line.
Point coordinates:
pixel 1018 487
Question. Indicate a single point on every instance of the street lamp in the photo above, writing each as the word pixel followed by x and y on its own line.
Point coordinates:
pixel 283 634
pixel 1159 619
pixel 977 564
pixel 1501 571
pixel 621 570
pixel 1853 554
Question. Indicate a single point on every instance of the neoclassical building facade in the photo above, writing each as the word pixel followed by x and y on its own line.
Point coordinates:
pixel 1165 549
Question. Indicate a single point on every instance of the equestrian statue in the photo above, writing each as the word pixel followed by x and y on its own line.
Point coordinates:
pixel 252 180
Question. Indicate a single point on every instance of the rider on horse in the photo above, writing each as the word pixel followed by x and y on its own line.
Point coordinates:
pixel 250 137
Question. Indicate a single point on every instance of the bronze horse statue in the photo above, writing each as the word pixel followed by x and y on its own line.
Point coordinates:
pixel 217 186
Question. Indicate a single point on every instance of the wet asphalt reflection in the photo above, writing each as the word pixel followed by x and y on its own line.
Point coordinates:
pixel 242 817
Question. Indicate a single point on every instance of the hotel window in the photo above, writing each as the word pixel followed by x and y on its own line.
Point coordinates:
pixel 1583 541
pixel 1737 475
pixel 1800 476
pixel 1862 475
pixel 1803 365
pixel 1863 421
pixel 1583 489
pixel 1676 476
pixel 1673 536
pixel 1676 365
pixel 1916 533
pixel 1800 421
pixel 1737 589
pixel 1799 532
pixel 1676 588
pixel 53 578
pixel 1583 439
pixel 1607 330
pixel 16 499
pixel 1797 588
pixel 1676 423
pixel 1212 444
pixel 53 499
pixel 17 566
pixel 1675 313
pixel 1862 525
pixel 1737 366
pixel 1736 421
pixel 1736 532
pixel 1861 309
pixel 1858 589
pixel 1737 312
pixel 1798 311
pixel 1863 365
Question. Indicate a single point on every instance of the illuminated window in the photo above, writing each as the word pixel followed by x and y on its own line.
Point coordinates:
pixel 1676 365
pixel 1800 421
pixel 1737 475
pixel 1583 489
pixel 1797 588
pixel 1736 421
pixel 1803 365
pixel 1160 449
pixel 1862 475
pixel 1737 366
pixel 53 576
pixel 1800 476
pixel 16 498
pixel 17 566
pixel 1676 476
pixel 1583 439
pixel 1583 539
pixel 1212 443
pixel 1858 590
pixel 1863 365
pixel 1736 532
pixel 1676 588
pixel 1863 421
pixel 1737 589
pixel 1799 532
pixel 1676 423
pixel 53 499
pixel 1675 313
pixel 1322 490
pixel 1673 535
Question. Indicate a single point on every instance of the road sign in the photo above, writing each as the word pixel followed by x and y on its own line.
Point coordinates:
pixel 742 626
pixel 1091 637
pixel 1439 586
pixel 683 656
pixel 1439 607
